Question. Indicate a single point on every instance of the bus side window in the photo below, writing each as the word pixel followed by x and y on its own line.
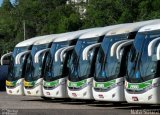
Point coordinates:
pixel 11 64
pixel 28 65
pixel 68 59
pixel 48 61
pixel 66 63
pixel 101 56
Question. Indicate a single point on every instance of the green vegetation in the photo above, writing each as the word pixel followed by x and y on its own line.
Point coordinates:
pixel 43 17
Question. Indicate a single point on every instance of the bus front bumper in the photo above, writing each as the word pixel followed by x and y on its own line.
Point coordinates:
pixel 115 94
pixel 85 93
pixel 35 90
pixel 17 89
pixel 151 96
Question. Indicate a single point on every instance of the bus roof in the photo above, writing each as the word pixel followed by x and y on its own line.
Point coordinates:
pixel 150 27
pixel 131 27
pixel 73 35
pixel 99 31
pixel 49 38
pixel 31 41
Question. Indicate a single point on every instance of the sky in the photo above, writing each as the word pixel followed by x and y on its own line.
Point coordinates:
pixel 12 1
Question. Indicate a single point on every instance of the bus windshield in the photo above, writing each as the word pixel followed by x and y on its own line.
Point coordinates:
pixel 107 67
pixel 54 69
pixel 80 69
pixel 15 70
pixel 140 66
pixel 33 70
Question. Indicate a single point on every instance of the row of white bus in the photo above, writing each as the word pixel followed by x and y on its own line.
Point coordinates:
pixel 115 63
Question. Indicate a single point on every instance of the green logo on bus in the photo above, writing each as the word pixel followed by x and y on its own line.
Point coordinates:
pixel 77 84
pixel 139 86
pixel 104 84
pixel 11 83
pixel 51 84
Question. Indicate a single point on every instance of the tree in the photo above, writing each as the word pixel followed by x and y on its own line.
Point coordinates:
pixel 7 26
pixel 102 13
pixel 7 6
pixel 55 16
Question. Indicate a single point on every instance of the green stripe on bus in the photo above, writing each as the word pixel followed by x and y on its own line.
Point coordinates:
pixel 139 86
pixel 51 84
pixel 77 84
pixel 104 84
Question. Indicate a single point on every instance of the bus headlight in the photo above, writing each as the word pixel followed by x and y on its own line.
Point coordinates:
pixel 148 88
pixel 86 84
pixel 156 84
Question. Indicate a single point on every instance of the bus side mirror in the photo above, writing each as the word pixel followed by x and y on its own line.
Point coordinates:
pixel 114 47
pixel 57 54
pixel 119 48
pixel 20 55
pixel 87 49
pixel 151 46
pixel 37 55
pixel 62 55
pixel 3 61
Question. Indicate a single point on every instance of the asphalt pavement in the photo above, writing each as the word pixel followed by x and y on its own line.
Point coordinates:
pixel 26 105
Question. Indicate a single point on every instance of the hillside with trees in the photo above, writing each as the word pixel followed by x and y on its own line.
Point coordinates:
pixel 43 17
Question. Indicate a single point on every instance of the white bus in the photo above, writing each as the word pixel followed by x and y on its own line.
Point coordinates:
pixel 81 65
pixel 14 82
pixel 56 66
pixel 142 82
pixel 110 67
pixel 34 66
